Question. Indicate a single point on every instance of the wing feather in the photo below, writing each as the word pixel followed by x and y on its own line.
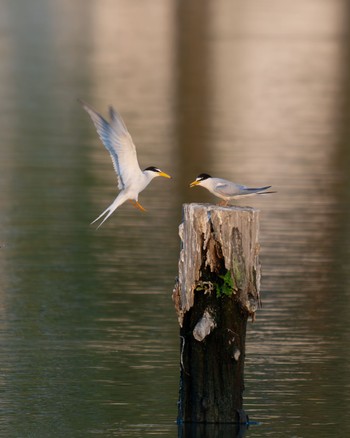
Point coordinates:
pixel 229 189
pixel 119 144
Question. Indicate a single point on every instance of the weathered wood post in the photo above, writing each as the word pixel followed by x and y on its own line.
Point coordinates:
pixel 217 290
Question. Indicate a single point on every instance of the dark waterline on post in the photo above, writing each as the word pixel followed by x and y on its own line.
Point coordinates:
pixel 200 430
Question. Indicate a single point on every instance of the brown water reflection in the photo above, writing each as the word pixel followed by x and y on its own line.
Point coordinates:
pixel 253 91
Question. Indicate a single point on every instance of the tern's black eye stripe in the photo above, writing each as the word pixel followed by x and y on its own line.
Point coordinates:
pixel 203 176
pixel 153 169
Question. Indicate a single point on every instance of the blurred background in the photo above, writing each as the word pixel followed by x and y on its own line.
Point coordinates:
pixel 255 91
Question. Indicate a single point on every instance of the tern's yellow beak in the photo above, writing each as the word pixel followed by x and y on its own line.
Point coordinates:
pixel 164 174
pixel 194 183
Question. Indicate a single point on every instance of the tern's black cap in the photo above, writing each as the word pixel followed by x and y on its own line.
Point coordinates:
pixel 203 176
pixel 153 169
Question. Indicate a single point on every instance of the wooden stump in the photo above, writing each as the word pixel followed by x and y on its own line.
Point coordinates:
pixel 217 290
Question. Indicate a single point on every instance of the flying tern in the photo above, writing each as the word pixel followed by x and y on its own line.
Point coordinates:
pixel 117 140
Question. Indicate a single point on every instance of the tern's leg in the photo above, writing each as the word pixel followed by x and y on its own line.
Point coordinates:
pixel 223 203
pixel 136 204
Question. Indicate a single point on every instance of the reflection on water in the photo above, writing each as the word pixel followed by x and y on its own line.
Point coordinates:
pixel 198 430
pixel 251 92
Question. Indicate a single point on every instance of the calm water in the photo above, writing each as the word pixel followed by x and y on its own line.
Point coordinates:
pixel 254 91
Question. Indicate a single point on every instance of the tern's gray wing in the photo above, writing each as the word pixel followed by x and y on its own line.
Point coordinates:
pixel 119 144
pixel 228 188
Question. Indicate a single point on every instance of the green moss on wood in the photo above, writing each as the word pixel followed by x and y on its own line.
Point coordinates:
pixel 225 287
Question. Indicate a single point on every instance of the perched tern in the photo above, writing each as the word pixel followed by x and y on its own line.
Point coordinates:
pixel 227 190
pixel 117 140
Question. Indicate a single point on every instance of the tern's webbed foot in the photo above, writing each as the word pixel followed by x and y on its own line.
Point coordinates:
pixel 223 203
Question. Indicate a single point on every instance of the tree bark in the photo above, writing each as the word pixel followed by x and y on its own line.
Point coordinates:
pixel 217 290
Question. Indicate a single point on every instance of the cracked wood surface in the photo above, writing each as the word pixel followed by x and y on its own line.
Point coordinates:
pixel 213 236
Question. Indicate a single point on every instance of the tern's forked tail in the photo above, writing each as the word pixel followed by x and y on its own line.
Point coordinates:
pixel 115 204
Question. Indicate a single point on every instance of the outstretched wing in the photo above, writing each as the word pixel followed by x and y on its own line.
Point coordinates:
pixel 119 144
